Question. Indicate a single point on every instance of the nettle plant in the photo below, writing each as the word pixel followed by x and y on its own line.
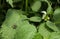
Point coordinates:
pixel 32 19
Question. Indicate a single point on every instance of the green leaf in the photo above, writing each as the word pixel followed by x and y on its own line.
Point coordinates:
pixel 36 6
pixel 14 11
pixel 52 26
pixel 35 19
pixel 38 36
pixel 7 27
pixel 43 31
pixel 10 2
pixel 49 10
pixel 12 17
pixel 16 27
pixel 8 32
pixel 56 16
pixel 55 35
pixel 25 30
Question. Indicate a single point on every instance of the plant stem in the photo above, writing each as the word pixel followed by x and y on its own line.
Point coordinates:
pixel 26 7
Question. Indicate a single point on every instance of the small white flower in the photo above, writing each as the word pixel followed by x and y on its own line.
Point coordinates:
pixel 43 12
